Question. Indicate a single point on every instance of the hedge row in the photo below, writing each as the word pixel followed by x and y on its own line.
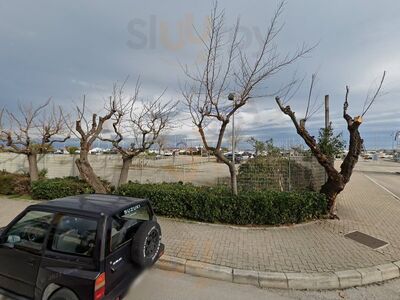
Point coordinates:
pixel 47 189
pixel 215 204
pixel 206 204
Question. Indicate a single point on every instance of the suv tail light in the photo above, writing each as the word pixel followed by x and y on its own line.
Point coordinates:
pixel 100 287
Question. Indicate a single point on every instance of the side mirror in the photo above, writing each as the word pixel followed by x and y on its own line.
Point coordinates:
pixel 10 241
pixel 13 239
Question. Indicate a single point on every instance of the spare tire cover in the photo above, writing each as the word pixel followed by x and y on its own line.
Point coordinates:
pixel 146 244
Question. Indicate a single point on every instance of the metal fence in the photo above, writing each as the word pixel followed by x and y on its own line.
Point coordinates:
pixel 283 173
pixel 184 168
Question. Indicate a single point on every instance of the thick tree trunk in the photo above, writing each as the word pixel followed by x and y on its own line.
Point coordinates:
pixel 333 186
pixel 336 180
pixel 123 176
pixel 87 173
pixel 232 171
pixel 33 167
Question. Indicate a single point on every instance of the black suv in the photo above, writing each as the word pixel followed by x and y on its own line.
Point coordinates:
pixel 82 247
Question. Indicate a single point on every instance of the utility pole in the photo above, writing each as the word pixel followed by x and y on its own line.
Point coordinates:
pixel 326 111
pixel 231 97
pixel 326 119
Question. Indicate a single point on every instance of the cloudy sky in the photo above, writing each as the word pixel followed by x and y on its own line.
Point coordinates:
pixel 66 49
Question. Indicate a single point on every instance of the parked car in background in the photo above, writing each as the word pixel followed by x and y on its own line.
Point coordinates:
pixel 78 248
pixel 96 151
pixel 238 157
pixel 59 151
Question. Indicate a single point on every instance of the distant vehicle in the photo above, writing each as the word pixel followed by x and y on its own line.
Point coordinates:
pixel 246 155
pixel 367 156
pixel 96 151
pixel 110 151
pixel 238 157
pixel 167 153
pixel 78 248
pixel 59 151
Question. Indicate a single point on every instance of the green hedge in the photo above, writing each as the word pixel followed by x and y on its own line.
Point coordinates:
pixel 47 189
pixel 206 204
pixel 215 204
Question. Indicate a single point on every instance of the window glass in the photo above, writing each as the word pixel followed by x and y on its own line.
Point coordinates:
pixel 126 223
pixel 75 235
pixel 30 231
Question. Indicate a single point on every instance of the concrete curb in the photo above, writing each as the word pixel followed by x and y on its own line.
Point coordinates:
pixel 283 280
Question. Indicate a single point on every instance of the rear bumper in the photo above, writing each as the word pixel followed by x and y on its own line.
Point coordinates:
pixel 122 288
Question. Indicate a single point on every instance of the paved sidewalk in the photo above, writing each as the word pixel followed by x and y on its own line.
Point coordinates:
pixel 315 247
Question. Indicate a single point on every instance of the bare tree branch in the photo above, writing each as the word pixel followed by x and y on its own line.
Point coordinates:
pixel 337 180
pixel 31 131
pixel 228 69
pixel 368 103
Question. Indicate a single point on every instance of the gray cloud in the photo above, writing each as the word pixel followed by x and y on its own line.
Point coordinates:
pixel 67 49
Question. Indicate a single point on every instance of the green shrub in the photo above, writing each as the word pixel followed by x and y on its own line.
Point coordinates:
pixel 72 149
pixel 215 204
pixel 43 173
pixel 47 189
pixel 14 184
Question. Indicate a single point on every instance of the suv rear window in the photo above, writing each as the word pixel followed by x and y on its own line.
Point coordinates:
pixel 125 223
pixel 75 235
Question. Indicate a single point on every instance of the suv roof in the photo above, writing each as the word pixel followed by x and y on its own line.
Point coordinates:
pixel 91 203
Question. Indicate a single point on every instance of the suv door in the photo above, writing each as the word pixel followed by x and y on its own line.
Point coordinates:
pixel 21 250
pixel 119 266
pixel 71 254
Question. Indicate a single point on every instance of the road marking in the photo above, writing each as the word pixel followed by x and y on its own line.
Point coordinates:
pixel 382 187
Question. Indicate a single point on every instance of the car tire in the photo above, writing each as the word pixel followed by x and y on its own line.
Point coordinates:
pixel 146 244
pixel 63 294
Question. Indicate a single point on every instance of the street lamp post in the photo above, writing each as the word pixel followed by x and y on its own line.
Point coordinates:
pixel 231 97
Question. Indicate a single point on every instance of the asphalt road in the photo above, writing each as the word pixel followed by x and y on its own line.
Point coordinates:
pixel 158 284
pixel 389 181
pixel 383 173
pixel 162 285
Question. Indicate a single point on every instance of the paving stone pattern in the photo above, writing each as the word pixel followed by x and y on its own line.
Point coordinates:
pixel 315 247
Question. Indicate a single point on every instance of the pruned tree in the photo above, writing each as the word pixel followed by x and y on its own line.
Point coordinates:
pixel 32 131
pixel 337 180
pixel 227 69
pixel 88 127
pixel 138 119
pixel 161 141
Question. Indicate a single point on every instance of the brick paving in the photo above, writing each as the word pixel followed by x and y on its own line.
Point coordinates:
pixel 314 247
